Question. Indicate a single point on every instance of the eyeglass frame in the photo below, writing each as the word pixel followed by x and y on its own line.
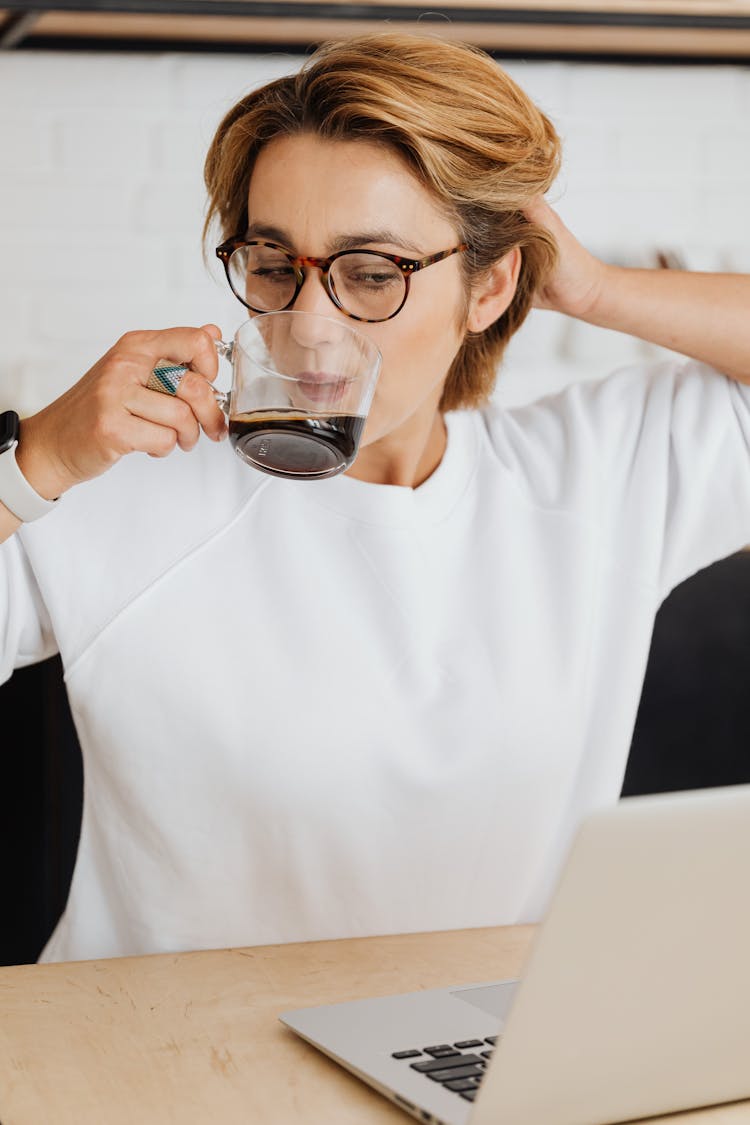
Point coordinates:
pixel 408 267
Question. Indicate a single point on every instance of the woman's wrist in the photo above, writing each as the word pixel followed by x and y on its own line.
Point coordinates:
pixel 597 305
pixel 34 461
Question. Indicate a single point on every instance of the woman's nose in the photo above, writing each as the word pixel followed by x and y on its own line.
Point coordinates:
pixel 314 296
pixel 319 328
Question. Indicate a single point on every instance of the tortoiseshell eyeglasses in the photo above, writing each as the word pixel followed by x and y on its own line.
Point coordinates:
pixel 366 285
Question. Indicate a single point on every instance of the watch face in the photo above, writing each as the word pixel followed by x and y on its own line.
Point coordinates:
pixel 8 429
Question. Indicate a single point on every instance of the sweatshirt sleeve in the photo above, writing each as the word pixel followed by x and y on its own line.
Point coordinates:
pixel 658 457
pixel 706 500
pixel 26 635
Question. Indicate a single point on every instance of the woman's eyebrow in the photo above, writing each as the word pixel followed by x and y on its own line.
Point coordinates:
pixel 374 238
pixel 341 242
pixel 263 230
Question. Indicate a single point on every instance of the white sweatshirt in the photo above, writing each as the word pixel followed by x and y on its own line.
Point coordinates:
pixel 324 709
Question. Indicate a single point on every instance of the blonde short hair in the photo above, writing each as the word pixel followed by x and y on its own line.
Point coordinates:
pixel 462 126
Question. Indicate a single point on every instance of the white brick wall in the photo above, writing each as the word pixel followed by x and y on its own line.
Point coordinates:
pixel 101 198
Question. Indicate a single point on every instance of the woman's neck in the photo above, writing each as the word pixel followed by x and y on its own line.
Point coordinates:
pixel 407 456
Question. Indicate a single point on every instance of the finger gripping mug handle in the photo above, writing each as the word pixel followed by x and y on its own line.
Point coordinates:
pixel 166 377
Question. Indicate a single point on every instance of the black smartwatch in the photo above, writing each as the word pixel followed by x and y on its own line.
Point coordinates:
pixel 15 491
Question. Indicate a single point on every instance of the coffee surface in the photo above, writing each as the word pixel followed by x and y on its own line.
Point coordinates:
pixel 296 444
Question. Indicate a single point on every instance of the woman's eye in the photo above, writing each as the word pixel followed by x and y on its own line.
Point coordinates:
pixel 273 273
pixel 375 278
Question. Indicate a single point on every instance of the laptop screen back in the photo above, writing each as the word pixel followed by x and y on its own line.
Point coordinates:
pixel 635 1000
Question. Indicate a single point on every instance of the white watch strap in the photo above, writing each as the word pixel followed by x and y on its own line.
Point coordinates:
pixel 16 492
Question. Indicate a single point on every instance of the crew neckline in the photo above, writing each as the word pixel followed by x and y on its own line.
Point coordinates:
pixel 393 504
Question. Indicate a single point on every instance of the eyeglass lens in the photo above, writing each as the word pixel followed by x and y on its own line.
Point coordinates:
pixel 367 285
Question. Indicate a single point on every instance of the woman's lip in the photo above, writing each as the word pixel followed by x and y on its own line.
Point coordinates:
pixel 321 387
pixel 319 377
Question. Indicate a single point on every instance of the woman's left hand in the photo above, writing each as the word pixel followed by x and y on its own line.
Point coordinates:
pixel 577 280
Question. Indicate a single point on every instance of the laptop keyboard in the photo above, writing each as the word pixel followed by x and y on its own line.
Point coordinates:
pixel 456 1066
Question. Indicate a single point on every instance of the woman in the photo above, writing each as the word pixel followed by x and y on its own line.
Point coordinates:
pixel 380 702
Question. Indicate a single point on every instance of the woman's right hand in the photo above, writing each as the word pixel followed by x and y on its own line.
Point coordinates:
pixel 111 412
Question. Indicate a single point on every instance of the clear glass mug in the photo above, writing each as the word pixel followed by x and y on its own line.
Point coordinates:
pixel 302 386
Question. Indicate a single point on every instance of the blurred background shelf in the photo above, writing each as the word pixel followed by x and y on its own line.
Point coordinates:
pixel 707 30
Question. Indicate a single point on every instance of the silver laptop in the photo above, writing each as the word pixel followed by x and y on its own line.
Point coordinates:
pixel 634 1000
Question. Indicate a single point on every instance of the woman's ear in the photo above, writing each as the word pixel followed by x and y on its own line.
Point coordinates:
pixel 495 292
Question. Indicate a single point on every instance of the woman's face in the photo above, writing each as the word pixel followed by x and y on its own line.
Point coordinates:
pixel 314 197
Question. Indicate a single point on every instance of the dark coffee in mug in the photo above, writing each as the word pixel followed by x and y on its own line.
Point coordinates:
pixel 296 444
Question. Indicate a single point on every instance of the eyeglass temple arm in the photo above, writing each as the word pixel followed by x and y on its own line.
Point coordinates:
pixel 440 256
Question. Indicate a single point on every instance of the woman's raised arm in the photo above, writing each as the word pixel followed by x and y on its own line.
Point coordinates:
pixel 702 315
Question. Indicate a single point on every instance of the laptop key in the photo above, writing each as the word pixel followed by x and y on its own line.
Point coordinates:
pixel 428 1065
pixel 406 1054
pixel 491 1039
pixel 460 1084
pixel 468 1094
pixel 487 1054
pixel 455 1072
pixel 464 1043
pixel 440 1052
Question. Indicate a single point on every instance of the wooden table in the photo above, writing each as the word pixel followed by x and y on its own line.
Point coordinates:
pixel 194 1038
